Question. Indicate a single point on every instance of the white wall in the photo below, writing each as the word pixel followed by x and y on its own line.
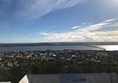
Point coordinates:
pixel 24 80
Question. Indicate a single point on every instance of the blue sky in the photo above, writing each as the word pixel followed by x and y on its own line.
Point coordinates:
pixel 27 21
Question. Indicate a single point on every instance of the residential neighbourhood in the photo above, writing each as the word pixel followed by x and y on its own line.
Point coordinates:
pixel 8 59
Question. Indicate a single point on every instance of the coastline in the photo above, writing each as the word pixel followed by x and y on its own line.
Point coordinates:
pixel 56 44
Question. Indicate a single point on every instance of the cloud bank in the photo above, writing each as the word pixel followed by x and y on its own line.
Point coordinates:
pixel 90 33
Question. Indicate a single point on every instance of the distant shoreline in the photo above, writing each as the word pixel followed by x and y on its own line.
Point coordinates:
pixel 56 44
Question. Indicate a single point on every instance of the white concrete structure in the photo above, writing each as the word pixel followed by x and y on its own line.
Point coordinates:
pixel 71 78
pixel 5 82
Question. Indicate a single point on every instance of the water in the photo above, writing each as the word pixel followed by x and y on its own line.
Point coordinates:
pixel 76 47
pixel 109 47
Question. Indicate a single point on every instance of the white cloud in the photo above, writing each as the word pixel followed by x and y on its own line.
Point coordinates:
pixel 33 9
pixel 89 33
pixel 75 27
pixel 43 33
pixel 67 3
pixel 98 26
pixel 111 20
pixel 107 33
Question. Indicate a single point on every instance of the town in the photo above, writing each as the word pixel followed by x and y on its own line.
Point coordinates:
pixel 15 64
pixel 8 59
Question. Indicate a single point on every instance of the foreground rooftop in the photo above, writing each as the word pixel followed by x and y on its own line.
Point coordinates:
pixel 71 78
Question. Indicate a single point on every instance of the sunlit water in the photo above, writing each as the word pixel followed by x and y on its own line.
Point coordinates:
pixel 109 47
pixel 75 47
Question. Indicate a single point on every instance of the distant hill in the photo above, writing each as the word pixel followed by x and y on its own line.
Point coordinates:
pixel 58 43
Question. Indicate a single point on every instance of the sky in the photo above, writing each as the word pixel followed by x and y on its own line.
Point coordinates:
pixel 35 21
